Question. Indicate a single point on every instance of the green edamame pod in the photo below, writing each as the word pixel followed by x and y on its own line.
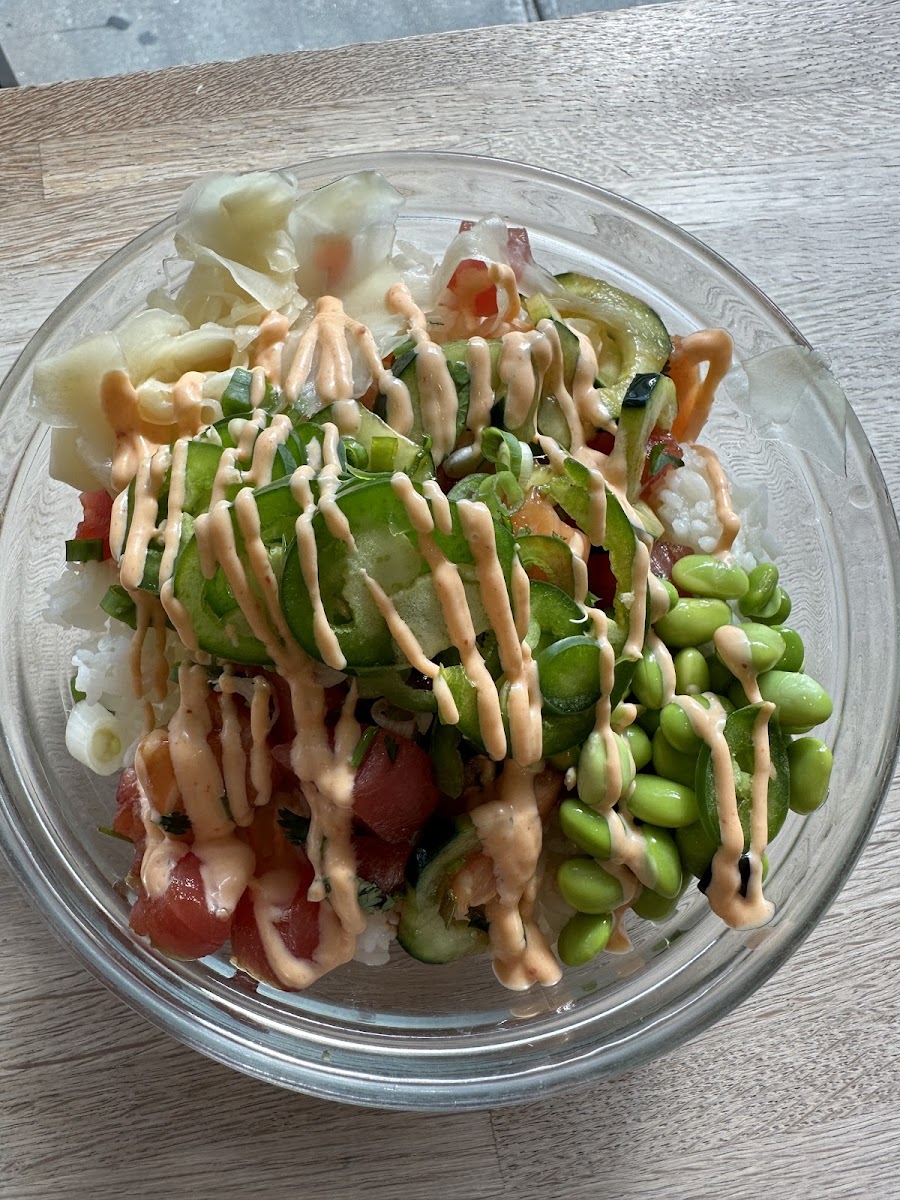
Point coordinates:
pixel 762 581
pixel 639 745
pixel 589 830
pixel 706 575
pixel 647 681
pixel 693 621
pixel 595 773
pixel 800 701
pixel 648 720
pixel 782 609
pixel 720 678
pixel 765 645
pixel 676 727
pixel 662 859
pixel 670 763
pixel 662 802
pixel 691 672
pixel 583 937
pixel 671 592
pixel 585 885
pixel 794 652
pixel 695 847
pixel 651 906
pixel 810 762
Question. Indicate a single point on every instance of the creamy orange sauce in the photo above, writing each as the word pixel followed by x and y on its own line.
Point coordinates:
pixel 723 892
pixel 713 347
pixel 727 517
pixel 327 361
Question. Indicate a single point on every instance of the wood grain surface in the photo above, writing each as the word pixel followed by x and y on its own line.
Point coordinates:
pixel 771 129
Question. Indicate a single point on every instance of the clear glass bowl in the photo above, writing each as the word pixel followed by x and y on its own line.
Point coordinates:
pixel 422 1037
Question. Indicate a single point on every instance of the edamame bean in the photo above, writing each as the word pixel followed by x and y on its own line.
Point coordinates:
pixel 585 885
pixel 706 575
pixel 651 906
pixel 647 681
pixel 589 830
pixel 766 645
pixel 720 678
pixel 649 721
pixel 662 802
pixel 583 937
pixel 800 702
pixel 691 672
pixel 670 763
pixel 595 774
pixel 695 847
pixel 676 727
pixel 692 622
pixel 762 581
pixel 639 745
pixel 671 592
pixel 663 860
pixel 782 609
pixel 810 762
pixel 568 758
pixel 794 653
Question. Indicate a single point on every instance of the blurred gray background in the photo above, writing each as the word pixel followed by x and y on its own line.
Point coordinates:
pixel 43 41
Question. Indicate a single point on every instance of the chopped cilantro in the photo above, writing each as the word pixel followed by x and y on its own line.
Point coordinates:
pixel 373 899
pixel 392 747
pixel 294 827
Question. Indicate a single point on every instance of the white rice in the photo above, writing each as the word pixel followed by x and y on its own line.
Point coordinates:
pixel 100 663
pixel 73 600
pixel 686 506
pixel 373 946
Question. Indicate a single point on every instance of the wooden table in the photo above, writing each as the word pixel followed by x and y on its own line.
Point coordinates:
pixel 770 129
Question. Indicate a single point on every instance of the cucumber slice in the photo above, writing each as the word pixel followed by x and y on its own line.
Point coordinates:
pixel 365 427
pixel 218 622
pixel 428 929
pixel 387 549
pixel 649 402
pixel 634 341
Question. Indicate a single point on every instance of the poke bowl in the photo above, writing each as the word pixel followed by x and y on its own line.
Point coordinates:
pixel 433 1028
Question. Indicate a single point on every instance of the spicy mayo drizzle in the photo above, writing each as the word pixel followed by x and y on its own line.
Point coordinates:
pixel 326 360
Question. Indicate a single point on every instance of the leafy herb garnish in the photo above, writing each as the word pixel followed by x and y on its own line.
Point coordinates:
pixel 660 458
pixel 392 747
pixel 294 827
pixel 373 899
pixel 114 833
pixel 174 822
pixel 362 746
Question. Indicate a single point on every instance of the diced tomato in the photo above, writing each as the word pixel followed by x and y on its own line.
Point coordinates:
pixel 380 862
pixel 664 439
pixel 473 289
pixel 180 922
pixel 298 925
pixel 664 555
pixel 127 820
pixel 602 441
pixel 97 510
pixel 601 580
pixel 393 792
